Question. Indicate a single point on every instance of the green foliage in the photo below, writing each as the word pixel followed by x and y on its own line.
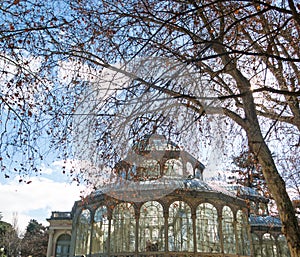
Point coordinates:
pixel 2 252
pixel 9 239
pixel 4 229
pixel 34 227
pixel 35 240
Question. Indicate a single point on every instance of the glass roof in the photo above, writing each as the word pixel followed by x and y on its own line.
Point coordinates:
pixel 156 142
pixel 265 221
pixel 149 190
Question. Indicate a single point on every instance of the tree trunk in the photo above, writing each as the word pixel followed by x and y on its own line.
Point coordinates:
pixel 257 144
pixel 276 185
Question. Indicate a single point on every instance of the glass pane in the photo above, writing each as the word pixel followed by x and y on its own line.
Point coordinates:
pixel 173 168
pixel 228 230
pixel 65 249
pixel 151 170
pixel 207 229
pixel 282 246
pixel 242 233
pixel 63 246
pixel 180 228
pixel 85 216
pixel 268 246
pixel 122 237
pixel 189 168
pixel 64 237
pixel 58 249
pixel 100 231
pixel 151 227
pixel 256 245
pixel 83 233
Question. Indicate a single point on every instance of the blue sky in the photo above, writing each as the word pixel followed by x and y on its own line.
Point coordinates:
pixel 50 191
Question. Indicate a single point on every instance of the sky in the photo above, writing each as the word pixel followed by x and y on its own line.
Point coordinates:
pixel 50 191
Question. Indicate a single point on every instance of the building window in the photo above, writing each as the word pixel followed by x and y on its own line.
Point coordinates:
pixel 100 231
pixel 150 169
pixel 83 233
pixel 189 169
pixel 207 229
pixel 173 168
pixel 228 230
pixel 256 245
pixel 151 227
pixel 283 247
pixel 268 246
pixel 122 237
pixel 180 227
pixel 62 248
pixel 242 233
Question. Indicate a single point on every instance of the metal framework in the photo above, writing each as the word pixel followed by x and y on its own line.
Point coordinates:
pixel 179 215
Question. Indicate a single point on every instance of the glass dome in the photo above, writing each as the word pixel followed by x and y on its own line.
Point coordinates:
pixel 190 218
pixel 154 157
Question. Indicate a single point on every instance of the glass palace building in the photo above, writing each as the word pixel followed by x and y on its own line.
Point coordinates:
pixel 162 207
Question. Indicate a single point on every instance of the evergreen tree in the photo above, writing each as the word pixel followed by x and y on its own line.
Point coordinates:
pixel 35 240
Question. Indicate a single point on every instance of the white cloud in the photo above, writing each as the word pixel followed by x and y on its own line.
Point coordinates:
pixel 36 200
pixel 45 170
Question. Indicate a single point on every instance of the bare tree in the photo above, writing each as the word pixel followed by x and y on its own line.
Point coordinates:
pixel 238 59
pixel 9 238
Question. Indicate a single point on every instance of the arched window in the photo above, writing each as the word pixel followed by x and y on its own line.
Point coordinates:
pixel 122 170
pixel 189 168
pixel 150 170
pixel 62 248
pixel 256 245
pixel 198 174
pixel 282 246
pixel 173 168
pixel 180 227
pixel 100 231
pixel 83 233
pixel 242 233
pixel 262 209
pixel 228 230
pixel 207 229
pixel 268 246
pixel 122 237
pixel 151 227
